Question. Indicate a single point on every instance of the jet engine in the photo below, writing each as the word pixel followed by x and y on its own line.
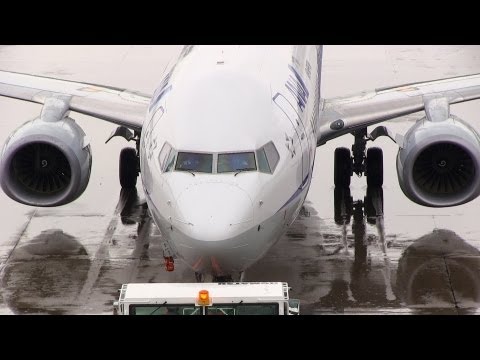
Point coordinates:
pixel 46 163
pixel 438 164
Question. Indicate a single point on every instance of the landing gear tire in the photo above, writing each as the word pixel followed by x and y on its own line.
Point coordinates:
pixel 342 167
pixel 343 205
pixel 374 168
pixel 128 169
pixel 373 204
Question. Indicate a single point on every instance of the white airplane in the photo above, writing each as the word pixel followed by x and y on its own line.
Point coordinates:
pixel 226 146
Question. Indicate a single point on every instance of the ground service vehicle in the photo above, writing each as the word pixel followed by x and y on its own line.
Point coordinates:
pixel 254 298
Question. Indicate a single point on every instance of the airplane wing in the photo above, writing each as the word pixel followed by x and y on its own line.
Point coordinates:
pixel 342 115
pixel 119 106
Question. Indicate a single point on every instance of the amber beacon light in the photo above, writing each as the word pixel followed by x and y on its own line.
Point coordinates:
pixel 204 298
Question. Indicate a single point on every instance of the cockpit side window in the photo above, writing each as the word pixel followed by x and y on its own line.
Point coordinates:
pixel 170 160
pixel 262 161
pixel 196 162
pixel 272 155
pixel 163 156
pixel 233 162
pixel 268 158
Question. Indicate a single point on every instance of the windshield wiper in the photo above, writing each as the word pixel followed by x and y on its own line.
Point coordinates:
pixel 238 171
pixel 158 307
pixel 187 170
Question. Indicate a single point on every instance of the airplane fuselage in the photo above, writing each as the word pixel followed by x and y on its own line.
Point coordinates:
pixel 227 151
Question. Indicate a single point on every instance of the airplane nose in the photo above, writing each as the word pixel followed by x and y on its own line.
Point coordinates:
pixel 214 211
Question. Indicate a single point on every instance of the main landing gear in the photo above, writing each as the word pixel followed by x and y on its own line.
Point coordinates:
pixel 371 208
pixel 369 163
pixel 129 164
pixel 128 168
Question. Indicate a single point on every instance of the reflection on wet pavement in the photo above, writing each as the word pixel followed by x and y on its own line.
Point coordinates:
pixel 46 274
pixel 53 273
pixel 439 273
pixel 438 270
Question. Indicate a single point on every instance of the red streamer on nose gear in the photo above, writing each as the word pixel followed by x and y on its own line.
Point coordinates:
pixel 169 263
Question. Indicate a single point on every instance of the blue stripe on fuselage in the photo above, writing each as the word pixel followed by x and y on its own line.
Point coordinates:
pixel 296 193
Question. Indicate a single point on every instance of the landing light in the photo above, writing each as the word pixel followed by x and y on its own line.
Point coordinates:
pixel 204 298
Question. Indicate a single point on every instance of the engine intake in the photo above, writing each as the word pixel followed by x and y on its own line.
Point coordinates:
pixel 439 164
pixel 46 163
pixel 41 168
pixel 444 168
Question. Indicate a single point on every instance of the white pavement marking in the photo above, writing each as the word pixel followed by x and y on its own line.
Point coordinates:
pixel 22 232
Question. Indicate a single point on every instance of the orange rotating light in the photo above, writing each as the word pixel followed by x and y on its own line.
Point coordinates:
pixel 204 298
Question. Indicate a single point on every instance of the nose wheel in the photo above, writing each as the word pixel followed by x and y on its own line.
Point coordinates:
pixel 128 168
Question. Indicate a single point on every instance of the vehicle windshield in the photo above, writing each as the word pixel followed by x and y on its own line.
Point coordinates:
pixel 172 309
pixel 233 162
pixel 218 309
pixel 195 162
pixel 243 309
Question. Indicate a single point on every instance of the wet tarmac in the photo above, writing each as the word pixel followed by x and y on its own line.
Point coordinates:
pixel 72 259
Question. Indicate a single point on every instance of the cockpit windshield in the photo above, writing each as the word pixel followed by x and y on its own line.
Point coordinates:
pixel 233 162
pixel 263 160
pixel 197 162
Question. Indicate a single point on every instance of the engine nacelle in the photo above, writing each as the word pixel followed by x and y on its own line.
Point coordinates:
pixel 439 163
pixel 46 163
